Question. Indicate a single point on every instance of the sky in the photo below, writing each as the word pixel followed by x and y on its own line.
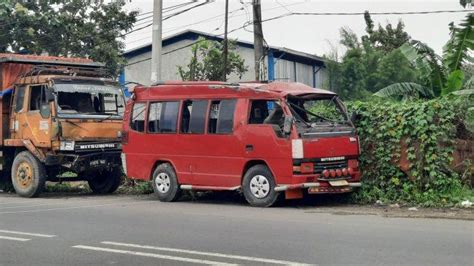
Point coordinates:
pixel 311 34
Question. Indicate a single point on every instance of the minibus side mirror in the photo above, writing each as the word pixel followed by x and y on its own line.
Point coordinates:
pixel 287 125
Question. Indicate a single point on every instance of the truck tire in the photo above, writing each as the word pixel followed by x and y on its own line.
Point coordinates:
pixel 258 186
pixel 105 182
pixel 28 175
pixel 165 183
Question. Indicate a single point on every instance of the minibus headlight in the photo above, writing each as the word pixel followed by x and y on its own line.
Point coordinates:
pixel 297 148
pixel 67 145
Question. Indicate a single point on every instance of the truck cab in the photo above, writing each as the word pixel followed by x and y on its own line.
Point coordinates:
pixel 61 122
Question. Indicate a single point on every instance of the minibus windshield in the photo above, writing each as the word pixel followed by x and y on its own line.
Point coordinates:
pixel 315 113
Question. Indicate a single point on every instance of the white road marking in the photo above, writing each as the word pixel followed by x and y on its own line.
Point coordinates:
pixel 14 238
pixel 213 254
pixel 152 255
pixel 25 233
pixel 78 207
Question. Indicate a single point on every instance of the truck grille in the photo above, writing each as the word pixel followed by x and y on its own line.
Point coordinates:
pixel 96 146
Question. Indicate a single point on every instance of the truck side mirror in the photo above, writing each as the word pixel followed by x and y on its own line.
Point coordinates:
pixel 49 95
pixel 287 125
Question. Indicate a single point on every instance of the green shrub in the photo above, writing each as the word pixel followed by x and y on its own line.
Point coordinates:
pixel 135 187
pixel 407 150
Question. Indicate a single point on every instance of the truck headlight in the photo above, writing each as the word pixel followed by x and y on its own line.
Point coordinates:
pixel 66 145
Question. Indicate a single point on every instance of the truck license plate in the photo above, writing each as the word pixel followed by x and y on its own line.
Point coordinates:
pixel 97 162
pixel 339 183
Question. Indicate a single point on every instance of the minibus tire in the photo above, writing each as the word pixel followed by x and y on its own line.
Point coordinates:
pixel 168 188
pixel 270 198
pixel 28 175
pixel 105 182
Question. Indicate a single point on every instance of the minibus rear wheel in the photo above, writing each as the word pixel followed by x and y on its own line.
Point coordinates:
pixel 165 183
pixel 258 186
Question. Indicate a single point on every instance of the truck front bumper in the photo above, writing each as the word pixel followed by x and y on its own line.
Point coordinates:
pixel 79 163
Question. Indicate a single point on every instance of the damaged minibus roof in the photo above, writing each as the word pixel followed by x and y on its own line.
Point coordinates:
pixel 181 88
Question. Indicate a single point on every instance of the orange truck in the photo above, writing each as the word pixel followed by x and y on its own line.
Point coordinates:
pixel 61 121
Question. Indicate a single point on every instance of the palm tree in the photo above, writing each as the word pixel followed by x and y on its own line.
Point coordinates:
pixel 439 75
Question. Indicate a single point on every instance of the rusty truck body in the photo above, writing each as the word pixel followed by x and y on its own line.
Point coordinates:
pixel 59 116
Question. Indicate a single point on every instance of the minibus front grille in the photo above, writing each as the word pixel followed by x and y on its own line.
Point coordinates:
pixel 319 167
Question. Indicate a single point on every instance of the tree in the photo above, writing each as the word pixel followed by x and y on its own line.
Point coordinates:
pixel 371 62
pixel 207 62
pixel 440 75
pixel 76 28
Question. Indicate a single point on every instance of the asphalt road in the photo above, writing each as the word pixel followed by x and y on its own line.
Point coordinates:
pixel 138 230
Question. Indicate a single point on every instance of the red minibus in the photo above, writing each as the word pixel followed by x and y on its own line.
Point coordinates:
pixel 264 139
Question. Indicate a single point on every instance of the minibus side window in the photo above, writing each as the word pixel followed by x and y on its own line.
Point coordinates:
pixel 267 112
pixel 221 117
pixel 193 118
pixel 137 121
pixel 162 117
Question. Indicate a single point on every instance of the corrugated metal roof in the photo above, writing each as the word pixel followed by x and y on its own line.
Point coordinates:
pixel 194 34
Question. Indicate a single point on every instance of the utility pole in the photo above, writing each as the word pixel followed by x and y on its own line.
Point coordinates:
pixel 226 46
pixel 156 41
pixel 257 36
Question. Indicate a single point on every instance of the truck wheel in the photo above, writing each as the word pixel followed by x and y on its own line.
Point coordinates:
pixel 105 182
pixel 28 175
pixel 258 187
pixel 165 183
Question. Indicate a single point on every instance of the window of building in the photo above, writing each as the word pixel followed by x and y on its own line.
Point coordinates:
pixel 162 117
pixel 194 116
pixel 221 117
pixel 137 122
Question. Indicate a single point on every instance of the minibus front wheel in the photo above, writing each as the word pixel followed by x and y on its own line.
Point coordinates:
pixel 165 183
pixel 258 186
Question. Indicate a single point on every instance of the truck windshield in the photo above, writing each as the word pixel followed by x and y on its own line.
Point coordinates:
pixel 89 99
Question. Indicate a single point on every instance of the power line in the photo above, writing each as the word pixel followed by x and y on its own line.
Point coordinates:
pixel 375 13
pixel 214 18
pixel 248 23
pixel 171 7
pixel 169 16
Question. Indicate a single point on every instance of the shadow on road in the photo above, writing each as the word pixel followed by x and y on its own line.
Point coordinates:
pixel 235 198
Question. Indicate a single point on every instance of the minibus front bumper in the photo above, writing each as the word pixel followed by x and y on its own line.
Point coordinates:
pixel 284 187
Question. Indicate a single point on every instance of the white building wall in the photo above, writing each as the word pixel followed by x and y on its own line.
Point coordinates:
pixel 304 74
pixel 321 78
pixel 139 68
pixel 284 70
pixel 172 58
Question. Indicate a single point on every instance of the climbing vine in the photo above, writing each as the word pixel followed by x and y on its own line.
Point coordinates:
pixel 407 151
